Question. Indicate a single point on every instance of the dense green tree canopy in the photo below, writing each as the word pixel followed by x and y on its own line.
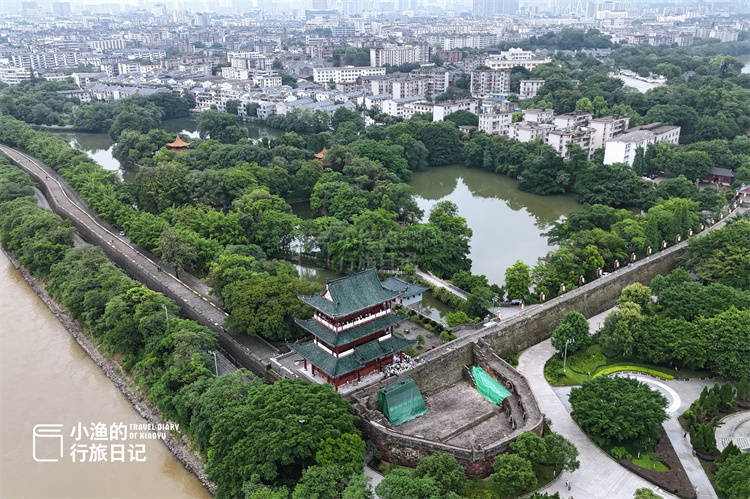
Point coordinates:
pixel 513 474
pixel 443 469
pixel 618 410
pixel 275 432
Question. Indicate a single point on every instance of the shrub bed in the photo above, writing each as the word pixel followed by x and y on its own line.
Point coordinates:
pixel 604 371
pixel 675 480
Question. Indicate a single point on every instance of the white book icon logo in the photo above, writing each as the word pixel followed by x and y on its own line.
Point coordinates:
pixel 48 443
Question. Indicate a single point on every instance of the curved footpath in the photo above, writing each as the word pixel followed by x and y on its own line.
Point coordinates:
pixel 679 393
pixel 137 263
pixel 599 476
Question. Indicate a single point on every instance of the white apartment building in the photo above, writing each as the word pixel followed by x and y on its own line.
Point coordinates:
pixel 376 101
pixel 459 41
pixel 438 82
pixel 420 106
pixel 267 80
pixel 45 60
pixel 346 74
pixel 103 45
pixel 397 107
pixel 249 60
pixel 561 140
pixel 395 55
pixel 526 131
pixel 497 62
pixel 606 128
pixel 409 87
pixel 13 76
pixel 235 73
pixel 128 68
pixel 439 110
pixel 442 109
pixel 569 121
pixel 529 88
pixel 622 149
pixel 662 133
pixel 485 82
pixel 495 123
pixel 517 54
pixel 378 84
pixel 539 115
pixel 265 109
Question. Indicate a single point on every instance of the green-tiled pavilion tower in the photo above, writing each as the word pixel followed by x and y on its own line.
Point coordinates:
pixel 352 327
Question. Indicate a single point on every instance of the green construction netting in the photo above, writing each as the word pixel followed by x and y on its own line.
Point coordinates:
pixel 401 402
pixel 489 387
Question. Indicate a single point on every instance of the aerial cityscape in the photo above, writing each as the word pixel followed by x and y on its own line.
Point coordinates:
pixel 358 249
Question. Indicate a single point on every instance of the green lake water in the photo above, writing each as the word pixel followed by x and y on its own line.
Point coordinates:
pixel 507 223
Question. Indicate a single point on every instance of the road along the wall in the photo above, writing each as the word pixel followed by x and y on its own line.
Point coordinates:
pixel 255 355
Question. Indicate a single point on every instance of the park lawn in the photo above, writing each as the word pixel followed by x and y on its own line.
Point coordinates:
pixel 647 459
pixel 584 366
pixel 649 462
pixel 486 488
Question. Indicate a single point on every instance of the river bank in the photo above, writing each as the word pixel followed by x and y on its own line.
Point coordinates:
pixel 175 442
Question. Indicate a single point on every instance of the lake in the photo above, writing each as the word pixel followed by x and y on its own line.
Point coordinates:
pixel 507 223
pixel 99 146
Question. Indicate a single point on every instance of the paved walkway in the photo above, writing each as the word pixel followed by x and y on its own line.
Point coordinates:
pixel 680 394
pixel 375 476
pixel 599 476
pixel 436 281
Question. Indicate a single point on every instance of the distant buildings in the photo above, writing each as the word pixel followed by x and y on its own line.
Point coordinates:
pixel 463 40
pixel 560 140
pixel 502 61
pixel 11 75
pixel 572 120
pixel 397 107
pixel 539 115
pixel 396 55
pixel 622 149
pixel 484 82
pixel 346 74
pixel 526 131
pixel 495 123
pixel 409 106
pixel 529 88
pixel 489 8
pixel 606 128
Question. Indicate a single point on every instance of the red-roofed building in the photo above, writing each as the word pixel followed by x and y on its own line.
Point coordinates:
pixel 178 145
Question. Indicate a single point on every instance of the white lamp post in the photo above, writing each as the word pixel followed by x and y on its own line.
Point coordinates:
pixel 565 356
